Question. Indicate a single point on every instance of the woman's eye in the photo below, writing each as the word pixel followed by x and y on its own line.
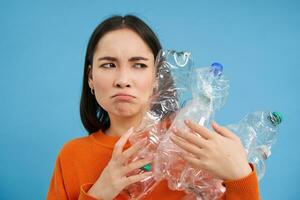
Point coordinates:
pixel 108 65
pixel 140 65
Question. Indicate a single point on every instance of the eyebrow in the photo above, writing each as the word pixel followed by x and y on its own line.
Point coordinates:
pixel 132 59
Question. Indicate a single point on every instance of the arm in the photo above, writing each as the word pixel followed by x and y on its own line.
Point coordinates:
pixel 84 193
pixel 57 189
pixel 109 185
pixel 245 188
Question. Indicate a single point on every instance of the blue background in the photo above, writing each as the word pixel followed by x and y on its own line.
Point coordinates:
pixel 41 63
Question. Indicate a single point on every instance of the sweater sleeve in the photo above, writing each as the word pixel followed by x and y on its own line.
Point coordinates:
pixel 57 189
pixel 85 188
pixel 84 192
pixel 245 188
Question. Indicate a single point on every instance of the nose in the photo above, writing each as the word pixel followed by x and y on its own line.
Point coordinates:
pixel 122 79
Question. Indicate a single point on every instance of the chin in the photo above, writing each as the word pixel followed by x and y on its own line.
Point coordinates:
pixel 125 111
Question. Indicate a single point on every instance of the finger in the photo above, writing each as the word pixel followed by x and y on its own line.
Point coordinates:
pixel 201 130
pixel 190 137
pixel 135 165
pixel 196 162
pixel 121 142
pixel 223 131
pixel 132 150
pixel 135 178
pixel 190 148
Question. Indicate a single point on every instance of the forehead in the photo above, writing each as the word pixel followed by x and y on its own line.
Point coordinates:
pixel 123 43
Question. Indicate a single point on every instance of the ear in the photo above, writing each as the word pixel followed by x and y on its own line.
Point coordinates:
pixel 90 77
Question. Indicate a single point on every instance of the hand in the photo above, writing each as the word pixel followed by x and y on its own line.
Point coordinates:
pixel 113 178
pixel 220 153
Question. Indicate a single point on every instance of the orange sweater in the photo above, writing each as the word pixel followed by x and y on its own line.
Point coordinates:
pixel 81 161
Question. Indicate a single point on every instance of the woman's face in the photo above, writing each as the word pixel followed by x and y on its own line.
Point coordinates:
pixel 123 73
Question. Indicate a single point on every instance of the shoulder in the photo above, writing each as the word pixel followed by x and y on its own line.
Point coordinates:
pixel 75 147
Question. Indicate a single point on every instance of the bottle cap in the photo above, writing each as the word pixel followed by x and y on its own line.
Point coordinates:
pixel 276 118
pixel 217 68
pixel 147 167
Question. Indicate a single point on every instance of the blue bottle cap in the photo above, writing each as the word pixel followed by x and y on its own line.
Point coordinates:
pixel 217 68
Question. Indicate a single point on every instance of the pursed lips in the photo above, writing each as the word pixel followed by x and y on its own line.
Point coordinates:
pixel 123 94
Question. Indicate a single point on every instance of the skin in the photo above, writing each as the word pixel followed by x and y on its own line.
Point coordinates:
pixel 124 63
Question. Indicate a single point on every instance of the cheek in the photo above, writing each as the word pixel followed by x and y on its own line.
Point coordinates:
pixel 145 86
pixel 103 87
pixel 145 83
pixel 102 84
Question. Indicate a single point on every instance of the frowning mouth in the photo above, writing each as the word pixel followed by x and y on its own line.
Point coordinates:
pixel 123 96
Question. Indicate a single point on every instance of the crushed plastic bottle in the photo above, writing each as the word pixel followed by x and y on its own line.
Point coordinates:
pixel 257 158
pixel 209 91
pixel 258 132
pixel 139 189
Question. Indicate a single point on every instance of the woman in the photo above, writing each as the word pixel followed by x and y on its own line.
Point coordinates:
pixel 119 78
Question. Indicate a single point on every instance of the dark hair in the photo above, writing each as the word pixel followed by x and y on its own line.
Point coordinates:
pixel 93 116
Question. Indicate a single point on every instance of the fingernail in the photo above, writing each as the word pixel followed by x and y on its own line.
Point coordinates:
pixel 174 129
pixel 215 123
pixel 187 121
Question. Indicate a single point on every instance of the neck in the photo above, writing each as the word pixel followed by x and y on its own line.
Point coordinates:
pixel 120 125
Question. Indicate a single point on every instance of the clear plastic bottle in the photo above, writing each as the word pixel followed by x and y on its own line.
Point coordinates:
pixel 150 141
pixel 258 132
pixel 257 158
pixel 209 91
